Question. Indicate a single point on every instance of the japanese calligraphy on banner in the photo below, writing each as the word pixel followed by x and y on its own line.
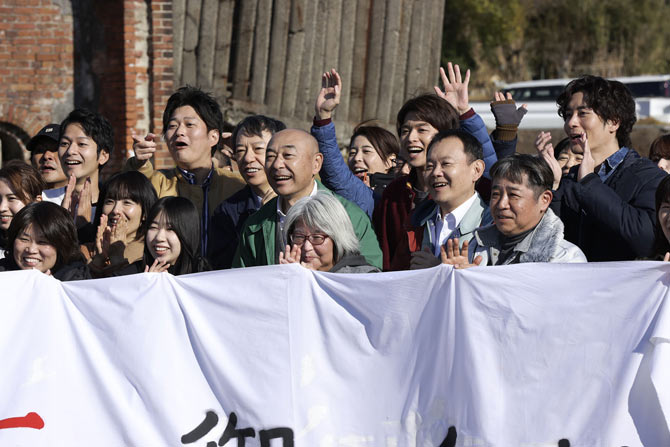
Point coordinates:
pixel 532 355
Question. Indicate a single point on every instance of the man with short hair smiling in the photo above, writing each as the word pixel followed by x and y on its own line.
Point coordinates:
pixel 418 121
pixel 86 144
pixel 607 202
pixel 454 164
pixel 524 227
pixel 292 160
pixel 192 126
pixel 249 140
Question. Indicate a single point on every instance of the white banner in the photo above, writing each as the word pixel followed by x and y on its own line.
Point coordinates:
pixel 524 355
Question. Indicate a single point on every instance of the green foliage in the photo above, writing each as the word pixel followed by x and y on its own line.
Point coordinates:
pixel 522 39
pixel 472 26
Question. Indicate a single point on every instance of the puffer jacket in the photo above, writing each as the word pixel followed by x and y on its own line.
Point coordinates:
pixel 544 244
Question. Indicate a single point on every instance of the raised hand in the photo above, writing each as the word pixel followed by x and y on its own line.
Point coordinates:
pixel 423 259
pixel 102 241
pixel 291 255
pixel 546 150
pixel 227 146
pixel 71 198
pixel 452 255
pixel 455 88
pixel 157 267
pixel 144 148
pixel 84 207
pixel 329 95
pixel 505 111
pixel 588 164
pixel 117 237
pixel 500 96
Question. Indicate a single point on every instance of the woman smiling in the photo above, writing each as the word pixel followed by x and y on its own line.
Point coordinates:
pixel 20 184
pixel 125 201
pixel 43 237
pixel 322 237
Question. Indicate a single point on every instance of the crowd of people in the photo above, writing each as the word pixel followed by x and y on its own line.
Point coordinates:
pixel 443 190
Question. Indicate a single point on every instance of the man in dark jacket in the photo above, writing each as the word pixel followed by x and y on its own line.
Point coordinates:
pixel 607 202
pixel 250 138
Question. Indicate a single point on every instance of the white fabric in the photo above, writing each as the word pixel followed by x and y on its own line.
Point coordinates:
pixel 517 355
pixel 446 225
pixel 55 195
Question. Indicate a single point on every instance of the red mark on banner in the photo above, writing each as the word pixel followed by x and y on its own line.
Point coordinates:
pixel 31 420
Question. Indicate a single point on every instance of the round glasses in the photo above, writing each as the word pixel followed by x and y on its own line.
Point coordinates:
pixel 314 239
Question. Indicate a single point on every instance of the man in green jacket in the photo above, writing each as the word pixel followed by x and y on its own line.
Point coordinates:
pixel 292 160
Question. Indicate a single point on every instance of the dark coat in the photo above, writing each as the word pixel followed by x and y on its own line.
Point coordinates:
pixel 615 220
pixel 226 226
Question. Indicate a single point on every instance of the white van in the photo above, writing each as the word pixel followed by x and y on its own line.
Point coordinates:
pixel 651 93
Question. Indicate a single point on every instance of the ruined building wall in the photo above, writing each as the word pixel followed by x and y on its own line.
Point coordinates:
pixel 123 58
pixel 114 57
pixel 267 56
pixel 36 69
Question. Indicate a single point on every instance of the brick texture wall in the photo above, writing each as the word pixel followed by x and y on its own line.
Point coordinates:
pixel 121 65
pixel 36 64
pixel 162 72
pixel 148 62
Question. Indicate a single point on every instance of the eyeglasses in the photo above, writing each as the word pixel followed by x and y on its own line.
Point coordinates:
pixel 314 239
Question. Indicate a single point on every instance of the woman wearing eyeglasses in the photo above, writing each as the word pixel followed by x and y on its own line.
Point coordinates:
pixel 321 237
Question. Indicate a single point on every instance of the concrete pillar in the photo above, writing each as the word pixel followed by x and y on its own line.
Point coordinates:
pixel 261 55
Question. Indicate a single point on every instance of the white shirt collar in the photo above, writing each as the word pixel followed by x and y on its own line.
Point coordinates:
pixel 459 212
pixel 445 226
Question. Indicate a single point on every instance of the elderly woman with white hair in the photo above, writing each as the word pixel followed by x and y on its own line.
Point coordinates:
pixel 321 237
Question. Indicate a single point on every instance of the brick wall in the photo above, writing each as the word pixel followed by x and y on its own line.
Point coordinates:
pixel 109 69
pixel 120 65
pixel 162 71
pixel 148 61
pixel 36 64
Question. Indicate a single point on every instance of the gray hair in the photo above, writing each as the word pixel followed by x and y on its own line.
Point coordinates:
pixel 323 212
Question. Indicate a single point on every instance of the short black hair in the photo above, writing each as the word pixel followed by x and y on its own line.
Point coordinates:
pixel 204 104
pixel 56 225
pixel 95 126
pixel 431 109
pixel 610 100
pixel 471 146
pixel 182 215
pixel 255 125
pixel 512 168
pixel 128 185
